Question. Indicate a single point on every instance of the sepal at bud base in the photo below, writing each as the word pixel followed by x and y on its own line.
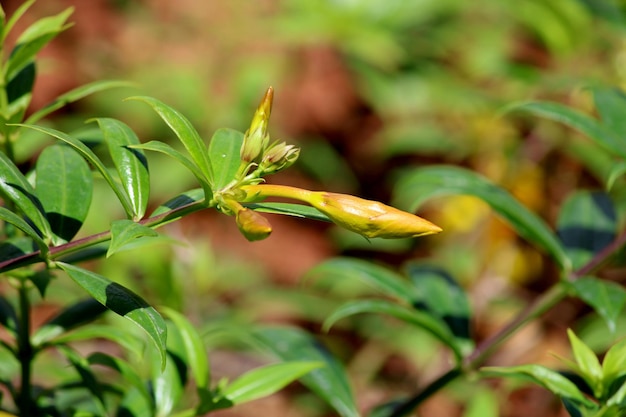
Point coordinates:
pixel 370 218
pixel 279 157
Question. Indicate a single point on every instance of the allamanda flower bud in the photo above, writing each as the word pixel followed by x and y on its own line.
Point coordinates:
pixel 370 218
pixel 279 157
pixel 256 138
pixel 252 225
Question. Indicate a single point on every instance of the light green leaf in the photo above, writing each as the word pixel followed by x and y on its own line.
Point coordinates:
pixel 17 14
pixel 131 164
pixel 126 234
pixel 289 209
pixel 382 279
pixel 611 104
pixel 64 185
pixel 614 362
pixel 195 350
pixel 545 377
pixel 75 95
pixel 585 124
pixel 606 298
pixel 185 132
pixel 117 335
pixel 587 362
pixel 587 223
pixel 423 184
pixel 167 387
pixel 16 188
pixel 91 157
pixel 432 324
pixel 266 380
pixel 224 154
pixel 615 171
pixel 122 301
pixel 329 382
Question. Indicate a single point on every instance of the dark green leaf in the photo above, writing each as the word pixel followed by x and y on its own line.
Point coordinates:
pixel 131 163
pixel 587 125
pixel 267 380
pixel 123 302
pixel 329 382
pixel 587 224
pixel 75 95
pixel 21 85
pixel 185 132
pixel 224 154
pixel 443 297
pixel 35 37
pixel 8 316
pixel 126 234
pixel 425 183
pixel 378 277
pixel 91 157
pixel 76 315
pixel 607 298
pixel 182 200
pixel 289 209
pixel 12 218
pixel 88 379
pixel 547 378
pixel 197 359
pixel 432 324
pixel 64 185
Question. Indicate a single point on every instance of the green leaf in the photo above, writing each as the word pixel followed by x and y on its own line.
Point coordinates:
pixel 185 132
pixel 135 404
pixel 588 363
pixel 432 324
pixel 585 124
pixel 76 315
pixel 126 234
pixel 614 362
pixel 425 183
pixel 615 171
pixel 121 301
pixel 289 209
pixel 8 316
pixel 35 37
pixel 443 297
pixel 611 104
pixel 606 298
pixel 91 157
pixel 194 347
pixel 88 379
pixel 75 95
pixel 224 154
pixel 266 380
pixel 117 335
pixel 17 14
pixel 12 218
pixel 545 377
pixel 21 85
pixel 166 149
pixel 587 223
pixel 167 387
pixel 16 188
pixel 376 276
pixel 329 382
pixel 131 163
pixel 64 185
pixel 181 200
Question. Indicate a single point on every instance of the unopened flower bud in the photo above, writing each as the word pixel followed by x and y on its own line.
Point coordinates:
pixel 370 218
pixel 279 157
pixel 253 225
pixel 256 138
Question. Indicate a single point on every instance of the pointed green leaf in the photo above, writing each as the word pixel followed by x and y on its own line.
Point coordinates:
pixel 289 209
pixel 614 362
pixel 588 363
pixel 382 279
pixel 611 104
pixel 224 151
pixel 76 315
pixel 197 359
pixel 181 200
pixel 17 14
pixel 131 164
pixel 126 234
pixel 166 149
pixel 122 301
pixel 64 185
pixel 615 171
pixel 167 387
pixel 430 323
pixel 585 124
pixel 607 298
pixel 35 37
pixel 545 377
pixel 91 157
pixel 12 218
pixel 329 382
pixel 75 95
pixel 16 188
pixel 425 183
pixel 266 380
pixel 88 379
pixel 117 335
pixel 185 132
pixel 587 223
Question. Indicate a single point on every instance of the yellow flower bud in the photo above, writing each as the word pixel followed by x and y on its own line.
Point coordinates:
pixel 370 218
pixel 256 138
pixel 252 225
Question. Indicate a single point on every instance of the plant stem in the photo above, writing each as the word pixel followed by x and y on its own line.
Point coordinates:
pixel 25 354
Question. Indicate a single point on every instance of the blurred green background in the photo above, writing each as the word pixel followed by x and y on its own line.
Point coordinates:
pixel 368 89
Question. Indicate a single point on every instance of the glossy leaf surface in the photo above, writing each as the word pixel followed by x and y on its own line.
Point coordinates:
pixel 126 234
pixel 224 153
pixel 606 298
